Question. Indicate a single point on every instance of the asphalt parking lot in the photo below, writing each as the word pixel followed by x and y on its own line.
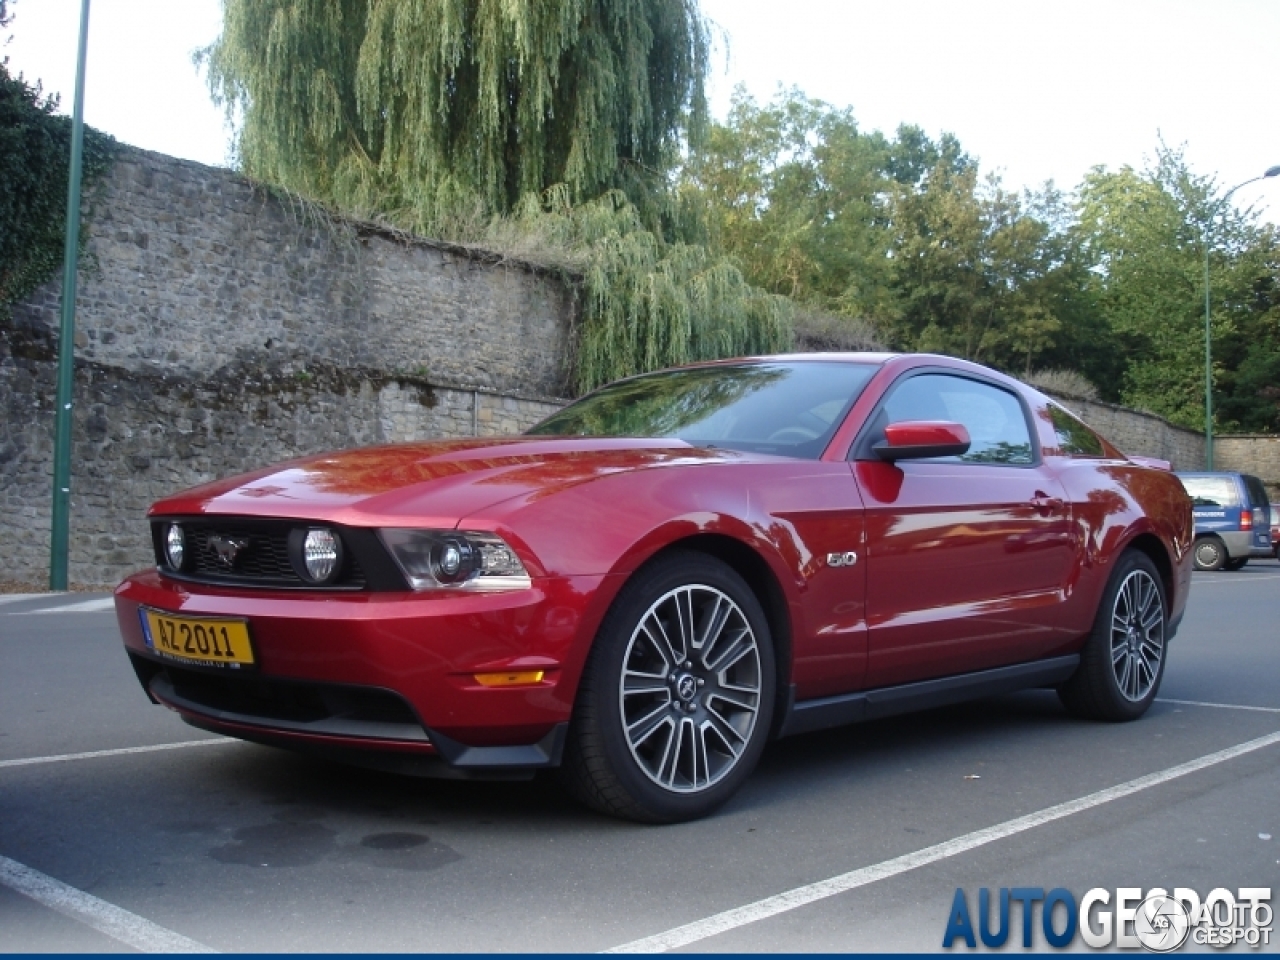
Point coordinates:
pixel 229 846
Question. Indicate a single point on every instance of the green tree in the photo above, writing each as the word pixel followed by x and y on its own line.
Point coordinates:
pixel 1143 234
pixel 433 109
pixel 794 191
pixel 1247 387
pixel 901 231
pixel 983 273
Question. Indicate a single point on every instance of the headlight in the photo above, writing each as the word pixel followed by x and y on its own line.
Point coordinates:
pixel 432 559
pixel 316 554
pixel 175 546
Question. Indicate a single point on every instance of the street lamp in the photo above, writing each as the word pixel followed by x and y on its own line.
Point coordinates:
pixel 1208 343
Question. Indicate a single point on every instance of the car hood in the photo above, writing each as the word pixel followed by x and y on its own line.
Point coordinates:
pixel 428 484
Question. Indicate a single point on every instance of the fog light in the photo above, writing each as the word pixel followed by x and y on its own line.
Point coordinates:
pixel 321 554
pixel 175 546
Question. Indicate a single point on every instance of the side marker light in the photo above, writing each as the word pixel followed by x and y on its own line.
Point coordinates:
pixel 512 679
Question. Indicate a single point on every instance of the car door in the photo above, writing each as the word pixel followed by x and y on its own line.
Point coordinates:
pixel 967 557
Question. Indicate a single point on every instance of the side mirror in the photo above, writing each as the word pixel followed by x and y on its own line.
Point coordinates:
pixel 918 439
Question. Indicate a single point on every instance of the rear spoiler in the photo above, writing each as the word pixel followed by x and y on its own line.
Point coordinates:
pixel 1153 462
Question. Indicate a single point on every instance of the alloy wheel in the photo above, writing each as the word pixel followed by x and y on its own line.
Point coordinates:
pixel 691 687
pixel 1137 635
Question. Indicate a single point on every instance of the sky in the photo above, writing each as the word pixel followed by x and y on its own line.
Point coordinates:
pixel 1036 89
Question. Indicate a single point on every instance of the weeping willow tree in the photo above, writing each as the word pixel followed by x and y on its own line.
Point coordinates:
pixel 466 119
pixel 650 303
pixel 425 105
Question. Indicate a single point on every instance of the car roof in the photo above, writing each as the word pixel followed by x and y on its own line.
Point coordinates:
pixel 803 357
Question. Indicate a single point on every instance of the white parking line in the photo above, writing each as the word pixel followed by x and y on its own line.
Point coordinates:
pixel 1232 579
pixel 15 597
pixel 800 896
pixel 1218 706
pixel 118 752
pixel 128 928
pixel 86 606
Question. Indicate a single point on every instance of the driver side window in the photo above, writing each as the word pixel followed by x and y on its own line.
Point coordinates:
pixel 995 420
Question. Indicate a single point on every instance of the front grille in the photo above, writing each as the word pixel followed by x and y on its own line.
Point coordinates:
pixel 262 559
pixel 265 557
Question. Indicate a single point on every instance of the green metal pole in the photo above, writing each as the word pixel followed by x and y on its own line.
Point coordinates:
pixel 1208 359
pixel 59 533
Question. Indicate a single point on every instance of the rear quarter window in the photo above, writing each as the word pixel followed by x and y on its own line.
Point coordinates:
pixel 1074 438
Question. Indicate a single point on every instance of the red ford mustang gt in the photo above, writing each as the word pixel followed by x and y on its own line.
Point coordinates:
pixel 659 578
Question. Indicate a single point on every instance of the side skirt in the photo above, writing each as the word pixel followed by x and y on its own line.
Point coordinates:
pixel 825 712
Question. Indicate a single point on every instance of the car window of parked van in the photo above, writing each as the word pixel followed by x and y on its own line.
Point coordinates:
pixel 1212 491
pixel 1257 492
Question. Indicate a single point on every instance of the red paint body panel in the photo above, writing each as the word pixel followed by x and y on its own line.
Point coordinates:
pixel 959 567
pixel 964 573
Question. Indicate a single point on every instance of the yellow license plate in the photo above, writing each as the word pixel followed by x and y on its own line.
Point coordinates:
pixel 214 642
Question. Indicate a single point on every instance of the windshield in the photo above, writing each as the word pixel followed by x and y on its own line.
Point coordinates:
pixel 789 409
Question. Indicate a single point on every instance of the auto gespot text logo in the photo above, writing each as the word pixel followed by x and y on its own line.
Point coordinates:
pixel 1126 918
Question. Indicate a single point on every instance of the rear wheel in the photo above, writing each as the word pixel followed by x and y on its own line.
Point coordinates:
pixel 1123 660
pixel 1209 553
pixel 677 696
pixel 1236 564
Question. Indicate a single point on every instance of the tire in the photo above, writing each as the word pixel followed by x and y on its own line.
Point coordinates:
pixel 1209 553
pixel 668 725
pixel 1123 661
pixel 1236 564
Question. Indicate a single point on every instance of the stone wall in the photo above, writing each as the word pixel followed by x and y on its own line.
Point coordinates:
pixel 220 328
pixel 1254 453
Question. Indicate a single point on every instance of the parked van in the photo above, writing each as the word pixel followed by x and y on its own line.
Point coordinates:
pixel 1233 519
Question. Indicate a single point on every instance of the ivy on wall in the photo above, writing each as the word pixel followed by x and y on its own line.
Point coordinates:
pixel 35 151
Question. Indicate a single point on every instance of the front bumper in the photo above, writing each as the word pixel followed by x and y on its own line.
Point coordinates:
pixel 381 678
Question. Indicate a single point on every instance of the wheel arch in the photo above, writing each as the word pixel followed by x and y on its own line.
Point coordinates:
pixel 764 583
pixel 1148 543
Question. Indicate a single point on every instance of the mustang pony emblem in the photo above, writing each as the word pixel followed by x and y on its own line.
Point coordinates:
pixel 687 687
pixel 227 548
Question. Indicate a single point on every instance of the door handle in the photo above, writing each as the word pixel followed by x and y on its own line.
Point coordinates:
pixel 1045 504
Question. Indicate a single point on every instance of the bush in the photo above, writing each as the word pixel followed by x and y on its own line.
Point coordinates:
pixel 1064 383
pixel 35 150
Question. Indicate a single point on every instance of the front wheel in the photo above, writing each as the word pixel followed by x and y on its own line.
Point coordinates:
pixel 677 696
pixel 1122 662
